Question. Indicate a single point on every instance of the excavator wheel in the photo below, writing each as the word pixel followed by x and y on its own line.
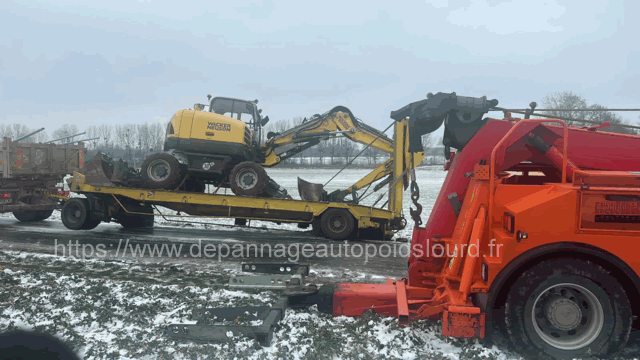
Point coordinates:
pixel 33 216
pixel 248 178
pixel 162 171
pixel 568 308
pixel 337 224
pixel 75 215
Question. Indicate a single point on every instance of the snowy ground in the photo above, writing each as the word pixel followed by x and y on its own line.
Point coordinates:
pixel 119 308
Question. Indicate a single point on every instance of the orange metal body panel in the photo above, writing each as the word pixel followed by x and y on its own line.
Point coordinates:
pixel 504 216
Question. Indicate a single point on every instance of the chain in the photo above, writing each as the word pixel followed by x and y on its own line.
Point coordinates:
pixel 415 196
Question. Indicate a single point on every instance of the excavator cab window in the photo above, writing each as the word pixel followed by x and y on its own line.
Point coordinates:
pixel 235 109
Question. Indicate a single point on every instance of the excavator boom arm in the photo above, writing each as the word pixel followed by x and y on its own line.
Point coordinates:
pixel 338 121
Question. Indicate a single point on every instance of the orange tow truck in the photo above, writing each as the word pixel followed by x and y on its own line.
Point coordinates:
pixel 535 233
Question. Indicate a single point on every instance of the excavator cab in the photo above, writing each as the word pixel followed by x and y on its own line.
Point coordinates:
pixel 246 111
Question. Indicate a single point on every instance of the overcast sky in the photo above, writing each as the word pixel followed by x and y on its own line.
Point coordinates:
pixel 127 61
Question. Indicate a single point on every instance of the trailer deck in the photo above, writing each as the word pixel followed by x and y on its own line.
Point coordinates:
pixel 330 218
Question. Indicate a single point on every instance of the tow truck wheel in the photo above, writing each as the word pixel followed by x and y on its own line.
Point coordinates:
pixel 248 178
pixel 161 171
pixel 337 224
pixel 567 308
pixel 75 215
pixel 32 216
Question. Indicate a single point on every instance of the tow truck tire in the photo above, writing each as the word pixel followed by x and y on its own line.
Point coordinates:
pixel 162 171
pixel 32 216
pixel 337 224
pixel 75 215
pixel 248 179
pixel 567 308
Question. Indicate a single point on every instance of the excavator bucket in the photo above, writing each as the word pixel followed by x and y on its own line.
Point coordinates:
pixel 309 191
pixel 104 171
pixel 98 171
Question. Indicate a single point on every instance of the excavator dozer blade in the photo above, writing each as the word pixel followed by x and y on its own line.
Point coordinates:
pixel 309 191
pixel 98 171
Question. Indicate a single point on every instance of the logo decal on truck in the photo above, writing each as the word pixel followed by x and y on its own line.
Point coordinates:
pixel 218 126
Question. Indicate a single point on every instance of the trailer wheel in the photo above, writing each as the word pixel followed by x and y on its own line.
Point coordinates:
pixel 136 221
pixel 567 308
pixel 248 178
pixel 75 215
pixel 316 227
pixel 32 216
pixel 161 171
pixel 337 224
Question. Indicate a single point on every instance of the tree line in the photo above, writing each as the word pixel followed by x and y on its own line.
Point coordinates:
pixel 127 141
pixel 136 141
pixel 570 100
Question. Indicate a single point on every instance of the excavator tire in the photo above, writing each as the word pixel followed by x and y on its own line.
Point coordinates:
pixel 248 179
pixel 568 308
pixel 337 224
pixel 161 171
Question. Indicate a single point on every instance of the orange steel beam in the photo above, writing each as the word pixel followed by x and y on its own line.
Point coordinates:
pixel 470 262
pixel 403 305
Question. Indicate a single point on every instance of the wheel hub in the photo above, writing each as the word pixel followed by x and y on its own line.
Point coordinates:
pixel 567 316
pixel 563 314
pixel 159 170
pixel 247 179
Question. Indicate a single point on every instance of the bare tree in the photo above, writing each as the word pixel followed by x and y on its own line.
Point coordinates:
pixel 105 132
pixel 92 132
pixel 565 100
pixel 569 100
pixel 65 131
pixel 281 126
pixel 40 137
pixel 157 136
pixel 428 141
pixel 126 138
pixel 19 130
pixel 604 115
pixel 16 131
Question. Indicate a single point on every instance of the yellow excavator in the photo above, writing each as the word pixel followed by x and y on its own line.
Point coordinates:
pixel 222 147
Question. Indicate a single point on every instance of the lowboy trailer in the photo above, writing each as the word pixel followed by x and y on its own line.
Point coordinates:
pixel 133 207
